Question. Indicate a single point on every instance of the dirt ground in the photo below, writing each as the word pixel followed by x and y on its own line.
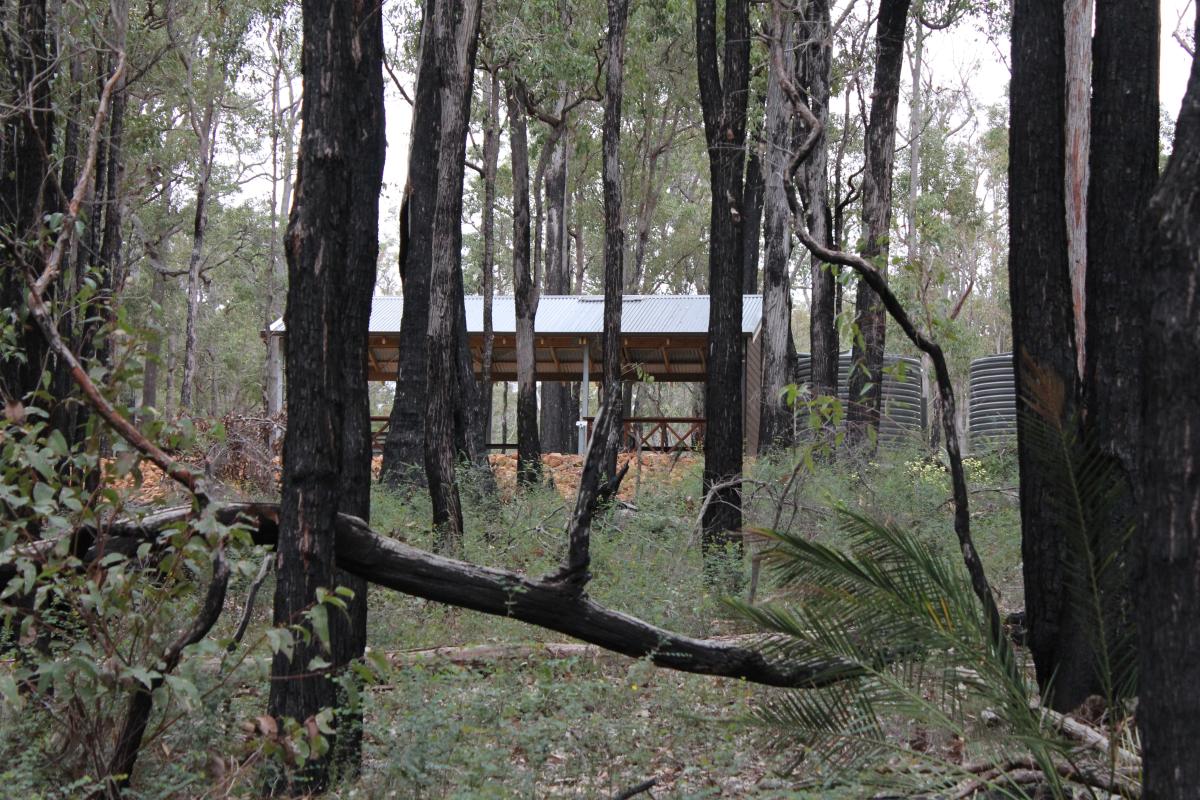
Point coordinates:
pixel 148 486
pixel 564 471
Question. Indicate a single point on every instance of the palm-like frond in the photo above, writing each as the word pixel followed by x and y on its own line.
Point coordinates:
pixel 912 645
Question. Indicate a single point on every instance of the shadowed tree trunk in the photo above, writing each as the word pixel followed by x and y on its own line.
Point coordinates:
pixel 348 631
pixel 525 290
pixel 326 447
pixel 404 447
pixel 866 374
pixel 1168 543
pixel 1043 331
pixel 614 233
pixel 777 332
pixel 723 103
pixel 816 64
pixel 28 137
pixel 1124 129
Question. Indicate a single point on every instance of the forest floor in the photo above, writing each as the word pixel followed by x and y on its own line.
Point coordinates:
pixel 464 705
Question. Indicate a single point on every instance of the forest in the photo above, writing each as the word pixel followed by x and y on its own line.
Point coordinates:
pixel 550 398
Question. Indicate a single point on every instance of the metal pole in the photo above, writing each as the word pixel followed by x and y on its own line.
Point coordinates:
pixel 584 397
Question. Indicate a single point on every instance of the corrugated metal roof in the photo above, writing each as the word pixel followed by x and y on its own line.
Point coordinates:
pixel 579 314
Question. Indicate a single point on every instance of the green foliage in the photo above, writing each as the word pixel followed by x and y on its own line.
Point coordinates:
pixel 923 685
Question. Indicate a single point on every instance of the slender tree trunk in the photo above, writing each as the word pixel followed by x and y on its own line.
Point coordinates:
pixel 525 289
pixel 614 231
pixel 1043 333
pixel 109 263
pixel 491 156
pixel 207 150
pixel 1168 542
pixel 816 64
pixel 404 447
pixel 866 374
pixel 283 134
pixel 558 418
pixel 755 189
pixel 577 236
pixel 326 445
pixel 723 102
pixel 776 368
pixel 455 30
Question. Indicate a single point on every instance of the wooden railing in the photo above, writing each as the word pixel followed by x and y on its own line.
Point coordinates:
pixel 660 434
pixel 655 434
pixel 379 431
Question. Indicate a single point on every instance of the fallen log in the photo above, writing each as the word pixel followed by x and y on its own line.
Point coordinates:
pixel 548 604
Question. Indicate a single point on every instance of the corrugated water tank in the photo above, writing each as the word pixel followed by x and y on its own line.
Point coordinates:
pixel 903 411
pixel 992 409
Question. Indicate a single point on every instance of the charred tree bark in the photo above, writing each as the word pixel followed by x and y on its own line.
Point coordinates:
pixel 24 165
pixel 723 103
pixel 816 65
pixel 1168 542
pixel 1123 174
pixel 777 332
pixel 348 631
pixel 404 448
pixel 1043 333
pixel 525 290
pixel 614 232
pixel 326 447
pixel 866 374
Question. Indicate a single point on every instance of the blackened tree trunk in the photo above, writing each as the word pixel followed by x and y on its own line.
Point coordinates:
pixel 491 156
pixel 777 332
pixel 1043 334
pixel 614 232
pixel 348 631
pixel 1168 542
pixel 24 165
pixel 1123 173
pixel 1124 158
pixel 816 65
pixel 723 103
pixel 341 157
pixel 866 374
pixel 456 26
pixel 525 290
pixel 404 448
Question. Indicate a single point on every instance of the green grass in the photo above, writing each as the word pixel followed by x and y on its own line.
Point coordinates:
pixel 577 727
